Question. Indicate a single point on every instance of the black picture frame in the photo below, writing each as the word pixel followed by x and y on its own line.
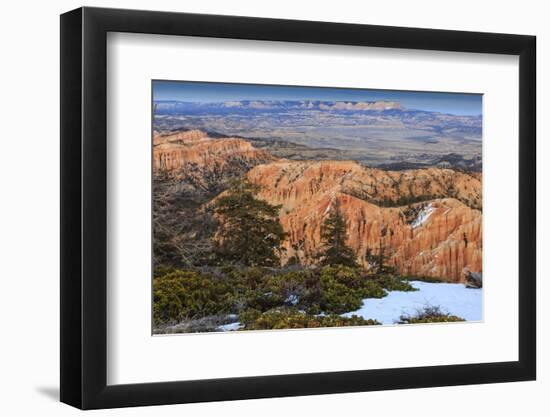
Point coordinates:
pixel 84 207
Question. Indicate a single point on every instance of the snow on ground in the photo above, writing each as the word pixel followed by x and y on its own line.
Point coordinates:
pixel 292 299
pixel 423 216
pixel 229 327
pixel 455 299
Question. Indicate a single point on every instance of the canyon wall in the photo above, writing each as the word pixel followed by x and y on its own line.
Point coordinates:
pixel 428 221
pixel 441 237
pixel 202 164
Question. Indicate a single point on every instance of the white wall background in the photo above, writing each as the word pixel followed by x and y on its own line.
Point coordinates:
pixel 29 219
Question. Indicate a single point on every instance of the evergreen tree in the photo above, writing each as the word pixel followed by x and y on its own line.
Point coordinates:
pixel 250 233
pixel 333 236
pixel 378 261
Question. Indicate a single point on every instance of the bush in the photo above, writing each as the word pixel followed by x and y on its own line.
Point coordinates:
pixel 392 283
pixel 291 318
pixel 429 314
pixel 371 289
pixel 339 290
pixel 331 289
pixel 262 289
pixel 189 294
pixel 344 275
pixel 424 278
pixel 199 325
pixel 161 270
pixel 183 296
pixel 337 298
pixel 343 289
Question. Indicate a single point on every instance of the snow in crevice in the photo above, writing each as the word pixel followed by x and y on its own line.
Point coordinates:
pixel 329 207
pixel 423 216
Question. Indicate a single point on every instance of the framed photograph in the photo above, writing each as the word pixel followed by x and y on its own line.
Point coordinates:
pixel 258 208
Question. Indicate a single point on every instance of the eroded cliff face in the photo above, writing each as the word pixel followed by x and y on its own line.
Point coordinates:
pixel 437 237
pixel 202 163
pixel 181 137
pixel 427 220
pixel 189 170
pixel 182 152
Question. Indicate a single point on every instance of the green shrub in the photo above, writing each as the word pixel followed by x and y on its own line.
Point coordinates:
pixel 242 277
pixel 338 299
pixel 440 319
pixel 251 290
pixel 339 290
pixel 392 283
pixel 344 275
pixel 189 294
pixel 343 289
pixel 249 316
pixel 287 284
pixel 331 289
pixel 371 289
pixel 428 314
pixel 291 318
pixel 182 296
pixel 161 270
pixel 423 278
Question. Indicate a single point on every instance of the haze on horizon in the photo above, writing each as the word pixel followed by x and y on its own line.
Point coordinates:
pixel 465 104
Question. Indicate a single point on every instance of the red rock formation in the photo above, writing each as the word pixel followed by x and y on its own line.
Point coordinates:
pixel 193 158
pixel 193 164
pixel 174 157
pixel 431 217
pixel 184 136
pixel 442 239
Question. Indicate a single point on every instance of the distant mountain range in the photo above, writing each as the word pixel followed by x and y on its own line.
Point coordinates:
pixel 175 107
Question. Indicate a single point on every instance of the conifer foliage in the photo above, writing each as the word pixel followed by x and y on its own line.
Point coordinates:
pixel 250 232
pixel 334 236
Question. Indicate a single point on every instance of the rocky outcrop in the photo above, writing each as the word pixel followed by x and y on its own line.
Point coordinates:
pixel 437 237
pixel 198 162
pixel 296 181
pixel 174 158
pixel 179 137
pixel 427 221
pixel 473 279
pixel 189 170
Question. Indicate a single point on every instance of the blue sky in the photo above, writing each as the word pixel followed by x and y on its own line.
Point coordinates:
pixel 454 103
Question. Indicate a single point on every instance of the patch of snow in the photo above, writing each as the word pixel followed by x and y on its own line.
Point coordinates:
pixel 292 299
pixel 329 207
pixel 454 299
pixel 230 327
pixel 423 216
